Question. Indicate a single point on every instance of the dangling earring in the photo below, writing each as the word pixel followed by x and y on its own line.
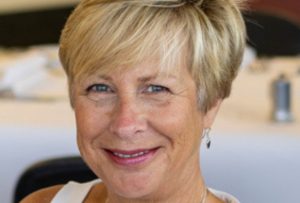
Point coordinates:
pixel 206 134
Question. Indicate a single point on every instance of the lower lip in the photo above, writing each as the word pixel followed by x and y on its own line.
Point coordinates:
pixel 134 161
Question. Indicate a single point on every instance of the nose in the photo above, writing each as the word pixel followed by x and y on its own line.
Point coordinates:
pixel 128 119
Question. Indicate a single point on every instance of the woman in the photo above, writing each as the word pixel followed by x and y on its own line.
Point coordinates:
pixel 146 79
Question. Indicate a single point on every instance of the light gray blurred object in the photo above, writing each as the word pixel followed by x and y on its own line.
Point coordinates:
pixel 32 74
pixel 249 57
pixel 281 95
pixel 23 72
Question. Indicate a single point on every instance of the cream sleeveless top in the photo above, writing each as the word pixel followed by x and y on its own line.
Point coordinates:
pixel 74 192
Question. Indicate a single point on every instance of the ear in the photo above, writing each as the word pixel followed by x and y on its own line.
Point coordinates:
pixel 210 115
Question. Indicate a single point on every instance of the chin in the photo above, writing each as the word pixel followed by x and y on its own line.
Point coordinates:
pixel 136 186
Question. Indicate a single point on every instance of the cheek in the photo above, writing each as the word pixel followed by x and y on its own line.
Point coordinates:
pixel 90 122
pixel 181 124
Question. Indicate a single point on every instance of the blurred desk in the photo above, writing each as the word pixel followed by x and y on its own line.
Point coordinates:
pixel 250 157
pixel 249 107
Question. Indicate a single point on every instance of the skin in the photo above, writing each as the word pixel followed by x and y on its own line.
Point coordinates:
pixel 142 108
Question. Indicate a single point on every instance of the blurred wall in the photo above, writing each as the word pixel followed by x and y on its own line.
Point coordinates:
pixel 31 22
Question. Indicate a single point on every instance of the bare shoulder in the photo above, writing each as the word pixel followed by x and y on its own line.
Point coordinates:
pixel 43 195
pixel 97 194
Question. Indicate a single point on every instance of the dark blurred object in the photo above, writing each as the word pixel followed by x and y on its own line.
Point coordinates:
pixel 52 172
pixel 288 9
pixel 32 28
pixel 271 35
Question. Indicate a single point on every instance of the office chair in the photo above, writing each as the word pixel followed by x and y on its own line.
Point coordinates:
pixel 271 35
pixel 52 172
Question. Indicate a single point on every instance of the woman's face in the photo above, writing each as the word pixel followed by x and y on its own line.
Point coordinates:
pixel 139 128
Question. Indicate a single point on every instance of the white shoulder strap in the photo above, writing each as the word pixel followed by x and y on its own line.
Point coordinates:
pixel 73 192
pixel 228 198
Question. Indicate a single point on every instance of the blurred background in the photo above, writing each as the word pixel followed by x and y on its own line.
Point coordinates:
pixel 255 140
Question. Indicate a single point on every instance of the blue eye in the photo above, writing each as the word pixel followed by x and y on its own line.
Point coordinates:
pixel 156 89
pixel 99 92
pixel 99 88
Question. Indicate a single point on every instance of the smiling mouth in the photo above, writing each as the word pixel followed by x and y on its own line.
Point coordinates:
pixel 131 158
pixel 128 156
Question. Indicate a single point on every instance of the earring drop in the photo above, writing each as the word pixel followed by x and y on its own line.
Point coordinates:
pixel 206 135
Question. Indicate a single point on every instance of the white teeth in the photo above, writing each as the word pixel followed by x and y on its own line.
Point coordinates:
pixel 127 156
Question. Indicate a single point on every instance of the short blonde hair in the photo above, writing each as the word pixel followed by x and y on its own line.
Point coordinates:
pixel 103 34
